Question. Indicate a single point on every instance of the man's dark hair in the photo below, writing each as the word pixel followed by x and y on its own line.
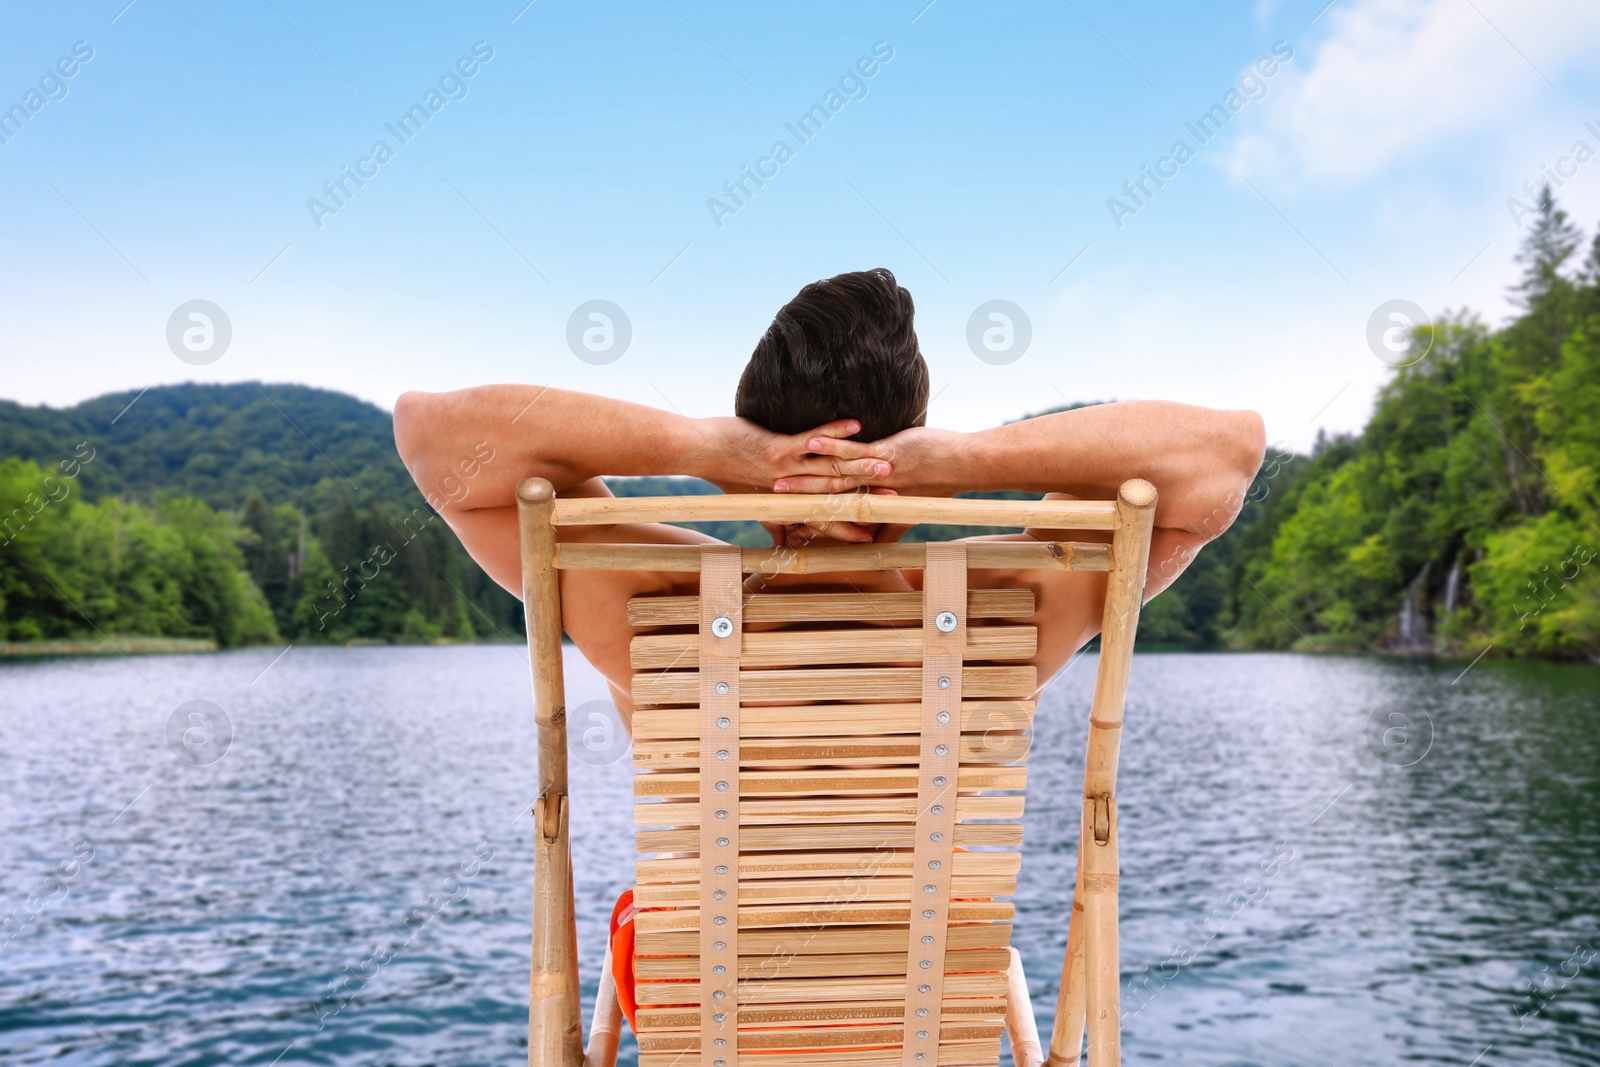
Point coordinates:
pixel 844 348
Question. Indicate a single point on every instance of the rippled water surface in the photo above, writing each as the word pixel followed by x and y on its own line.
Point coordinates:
pixel 1325 860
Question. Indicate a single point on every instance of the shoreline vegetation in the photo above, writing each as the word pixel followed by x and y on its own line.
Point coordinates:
pixel 1462 521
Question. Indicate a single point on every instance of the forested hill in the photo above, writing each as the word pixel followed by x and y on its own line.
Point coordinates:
pixel 235 513
pixel 292 444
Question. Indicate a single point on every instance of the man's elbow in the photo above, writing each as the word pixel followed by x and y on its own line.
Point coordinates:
pixel 1250 442
pixel 1237 461
pixel 410 418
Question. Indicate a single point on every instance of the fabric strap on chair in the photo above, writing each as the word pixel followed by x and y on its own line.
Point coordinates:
pixel 944 638
pixel 721 632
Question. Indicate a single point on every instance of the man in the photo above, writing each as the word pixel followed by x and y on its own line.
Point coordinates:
pixel 833 400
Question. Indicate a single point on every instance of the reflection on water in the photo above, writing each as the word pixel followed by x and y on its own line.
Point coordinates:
pixel 1325 860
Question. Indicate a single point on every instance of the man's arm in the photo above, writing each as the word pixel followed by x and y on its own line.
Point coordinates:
pixel 1201 462
pixel 467 451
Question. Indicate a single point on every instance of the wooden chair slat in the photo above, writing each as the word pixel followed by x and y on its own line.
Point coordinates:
pixel 793 721
pixel 822 1038
pixel 875 683
pixel 1004 743
pixel 844 781
pixel 672 968
pixel 824 941
pixel 824 864
pixel 802 647
pixel 849 913
pixel 951 1054
pixel 822 990
pixel 863 1012
pixel 852 887
pixel 778 835
pixel 821 815
pixel 828 607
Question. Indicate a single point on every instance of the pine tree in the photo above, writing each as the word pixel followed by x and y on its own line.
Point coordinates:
pixel 1553 241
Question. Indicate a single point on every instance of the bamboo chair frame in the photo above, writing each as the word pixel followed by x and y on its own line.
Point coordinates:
pixel 1089 989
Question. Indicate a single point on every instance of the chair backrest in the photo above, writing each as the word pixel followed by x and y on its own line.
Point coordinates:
pixel 829 786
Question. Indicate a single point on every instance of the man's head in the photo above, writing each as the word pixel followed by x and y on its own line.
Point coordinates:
pixel 844 348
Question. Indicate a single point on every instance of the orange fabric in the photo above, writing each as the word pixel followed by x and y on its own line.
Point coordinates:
pixel 622 956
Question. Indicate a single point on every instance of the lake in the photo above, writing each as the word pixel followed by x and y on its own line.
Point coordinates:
pixel 1326 859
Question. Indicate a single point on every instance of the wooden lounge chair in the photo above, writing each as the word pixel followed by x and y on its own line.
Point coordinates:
pixel 827 814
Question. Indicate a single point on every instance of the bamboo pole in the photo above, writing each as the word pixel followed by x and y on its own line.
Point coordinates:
pixel 833 559
pixel 1020 1025
pixel 1101 967
pixel 1089 973
pixel 555 1025
pixel 845 507
pixel 1130 553
pixel 605 1030
pixel 1066 1038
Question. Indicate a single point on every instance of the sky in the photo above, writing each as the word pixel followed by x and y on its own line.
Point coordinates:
pixel 1355 154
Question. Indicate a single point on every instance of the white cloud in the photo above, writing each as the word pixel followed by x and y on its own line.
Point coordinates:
pixel 1393 78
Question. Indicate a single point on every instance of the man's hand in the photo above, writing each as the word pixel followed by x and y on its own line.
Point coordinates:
pixel 742 456
pixel 919 461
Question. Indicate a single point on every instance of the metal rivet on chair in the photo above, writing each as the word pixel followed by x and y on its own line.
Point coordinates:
pixel 722 753
pixel 934 865
pixel 722 626
pixel 719 995
pixel 939 781
pixel 945 621
pixel 721 920
pixel 720 1063
pixel 722 813
pixel 924 989
pixel 927 939
pixel 724 721
pixel 719 1017
pixel 722 787
pixel 720 894
pixel 722 868
pixel 926 964
pixel 937 809
pixel 922 1035
pixel 719 946
pixel 943 716
pixel 922 1013
pixel 930 888
pixel 719 1042
pixel 920 1056
pixel 928 914
pixel 722 842
pixel 941 750
pixel 722 687
pixel 936 836
pixel 944 683
pixel 719 969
